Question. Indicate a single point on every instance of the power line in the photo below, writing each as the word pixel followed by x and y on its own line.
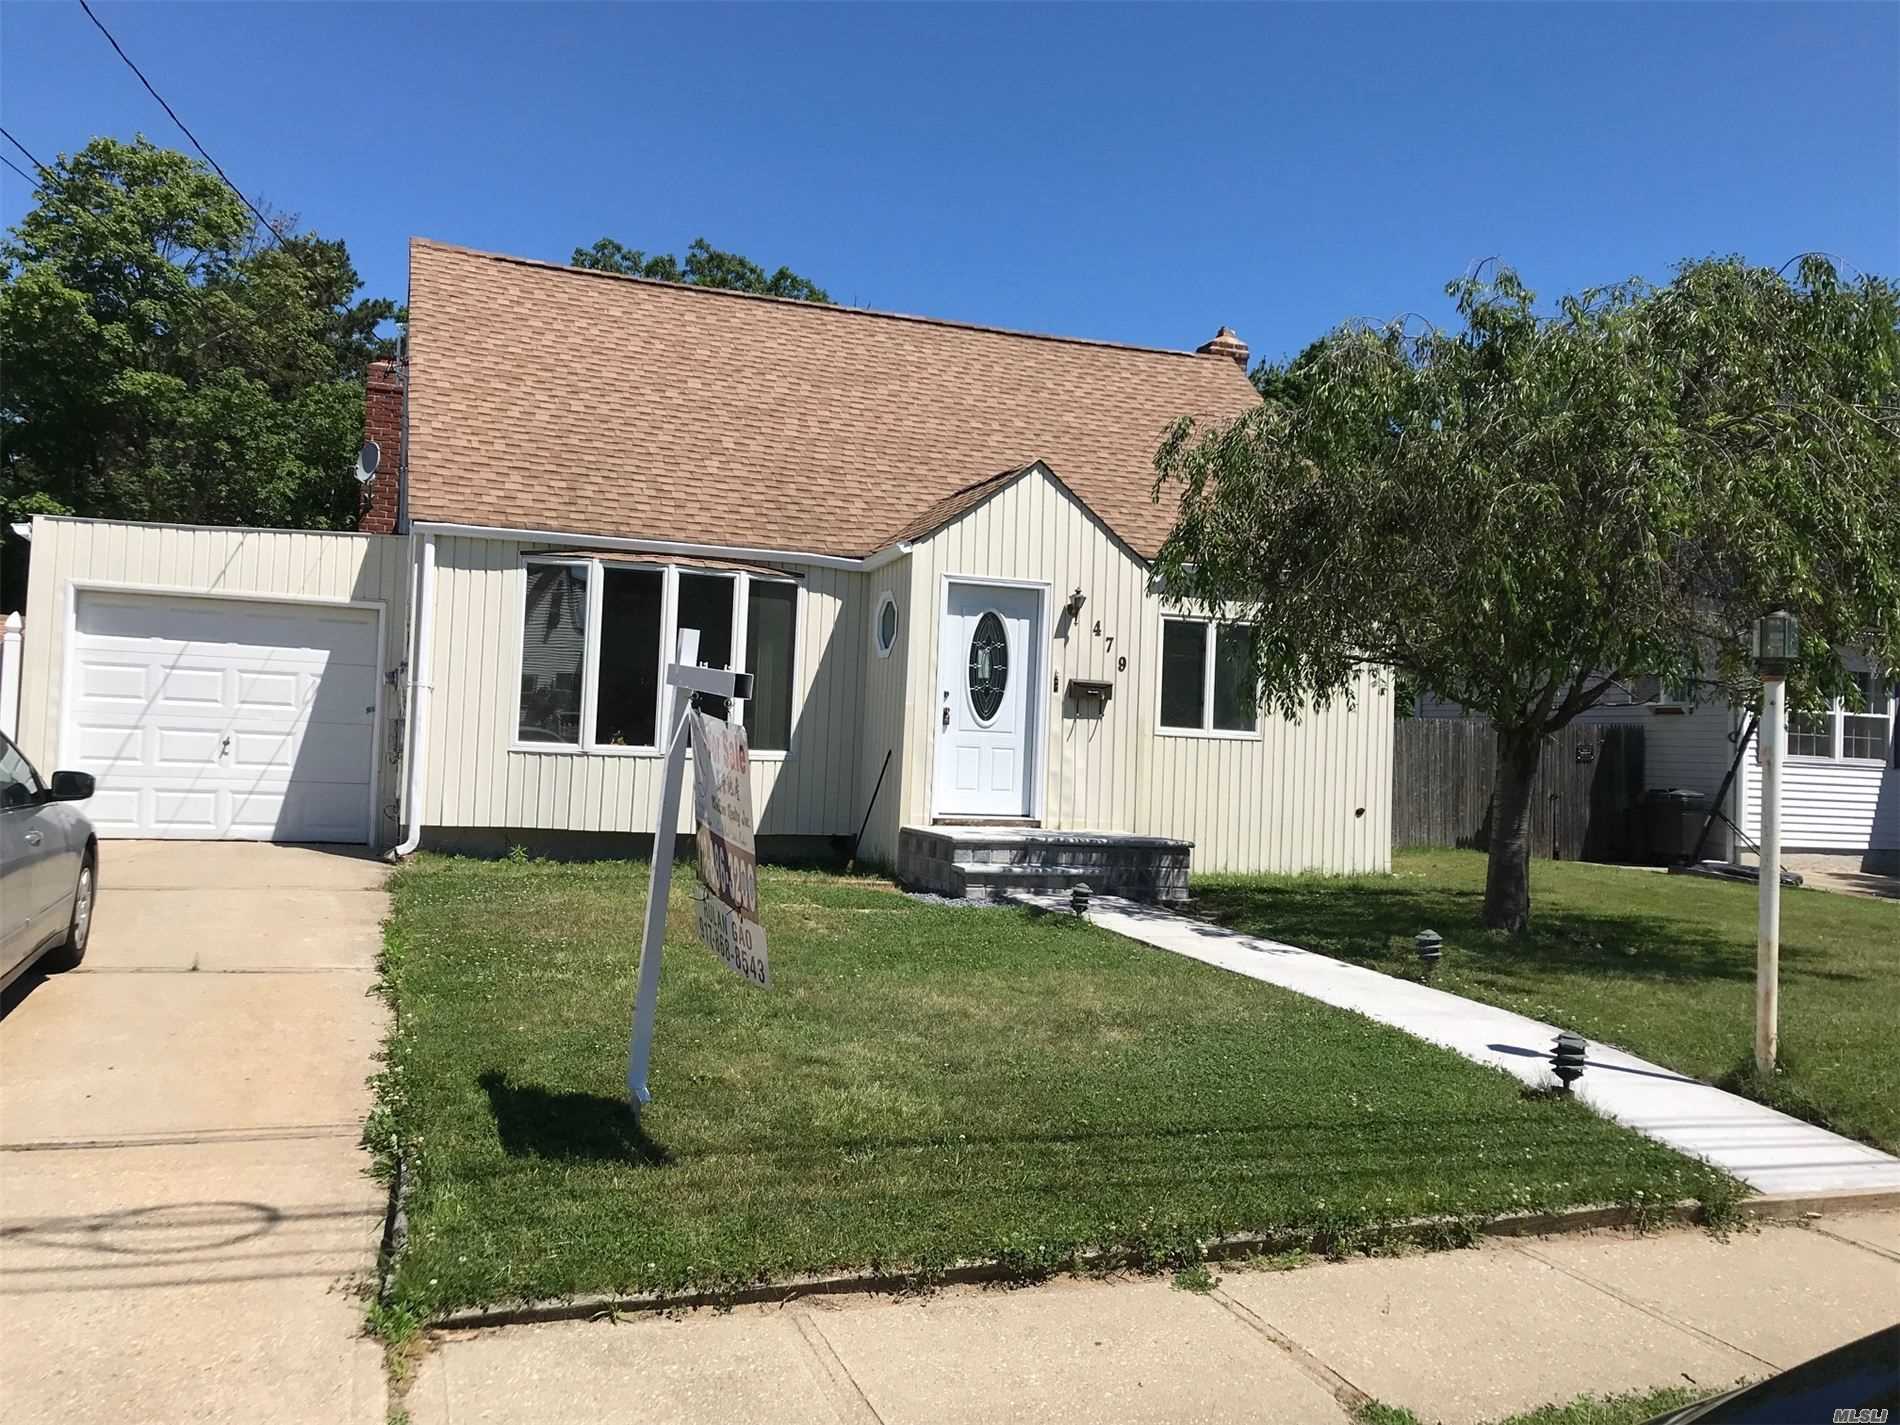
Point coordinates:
pixel 19 170
pixel 25 150
pixel 202 151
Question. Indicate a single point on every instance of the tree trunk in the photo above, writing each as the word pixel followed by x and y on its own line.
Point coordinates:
pixel 1507 877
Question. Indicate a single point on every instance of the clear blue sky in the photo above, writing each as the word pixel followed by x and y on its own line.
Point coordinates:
pixel 1132 174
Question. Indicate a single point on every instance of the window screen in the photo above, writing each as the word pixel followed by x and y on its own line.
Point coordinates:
pixel 1236 703
pixel 627 704
pixel 553 653
pixel 706 604
pixel 1183 673
pixel 771 622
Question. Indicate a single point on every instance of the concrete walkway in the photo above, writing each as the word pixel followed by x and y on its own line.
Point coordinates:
pixel 1459 1337
pixel 182 1199
pixel 1769 1151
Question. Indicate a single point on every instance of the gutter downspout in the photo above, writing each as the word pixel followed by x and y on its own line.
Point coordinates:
pixel 416 754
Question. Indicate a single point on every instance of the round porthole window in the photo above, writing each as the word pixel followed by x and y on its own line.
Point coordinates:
pixel 989 667
pixel 884 631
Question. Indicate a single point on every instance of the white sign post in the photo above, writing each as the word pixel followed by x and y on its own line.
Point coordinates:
pixel 687 678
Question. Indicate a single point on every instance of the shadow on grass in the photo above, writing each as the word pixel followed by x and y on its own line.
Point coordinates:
pixel 1519 1051
pixel 1367 923
pixel 534 1122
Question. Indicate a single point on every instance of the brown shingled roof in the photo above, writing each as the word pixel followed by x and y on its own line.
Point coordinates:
pixel 547 397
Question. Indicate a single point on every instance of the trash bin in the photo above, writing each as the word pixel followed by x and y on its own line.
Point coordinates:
pixel 1672 821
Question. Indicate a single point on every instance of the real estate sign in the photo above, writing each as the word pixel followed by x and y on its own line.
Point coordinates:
pixel 728 863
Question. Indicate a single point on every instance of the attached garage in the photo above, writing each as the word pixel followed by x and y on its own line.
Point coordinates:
pixel 221 684
pixel 214 719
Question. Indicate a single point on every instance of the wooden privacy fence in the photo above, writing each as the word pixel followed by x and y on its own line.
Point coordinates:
pixel 1583 802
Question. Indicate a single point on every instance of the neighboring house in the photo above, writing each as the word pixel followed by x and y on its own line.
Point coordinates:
pixel 1840 787
pixel 930 543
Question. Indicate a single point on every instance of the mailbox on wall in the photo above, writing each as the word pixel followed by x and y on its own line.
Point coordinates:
pixel 1090 695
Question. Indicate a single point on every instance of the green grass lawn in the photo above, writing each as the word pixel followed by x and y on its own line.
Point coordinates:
pixel 922 1085
pixel 1663 966
pixel 1628 1409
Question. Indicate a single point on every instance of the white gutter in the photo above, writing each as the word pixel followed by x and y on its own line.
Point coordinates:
pixel 888 555
pixel 643 546
pixel 415 755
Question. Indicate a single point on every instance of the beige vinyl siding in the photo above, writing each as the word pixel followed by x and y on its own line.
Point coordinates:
pixel 475 778
pixel 1087 769
pixel 1312 794
pixel 884 703
pixel 199 559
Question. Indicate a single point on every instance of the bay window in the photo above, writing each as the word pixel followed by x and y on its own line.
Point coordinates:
pixel 1207 678
pixel 598 632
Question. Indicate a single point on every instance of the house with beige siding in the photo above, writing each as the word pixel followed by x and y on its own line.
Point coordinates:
pixel 931 545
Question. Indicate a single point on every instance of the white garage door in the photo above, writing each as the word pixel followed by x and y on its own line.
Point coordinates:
pixel 223 718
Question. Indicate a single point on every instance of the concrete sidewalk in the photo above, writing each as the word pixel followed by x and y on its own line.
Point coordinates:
pixel 1459 1337
pixel 182 1199
pixel 1769 1151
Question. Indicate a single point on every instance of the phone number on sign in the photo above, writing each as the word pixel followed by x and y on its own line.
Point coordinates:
pixel 734 939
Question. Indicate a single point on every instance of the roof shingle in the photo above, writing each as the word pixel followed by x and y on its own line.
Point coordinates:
pixel 546 397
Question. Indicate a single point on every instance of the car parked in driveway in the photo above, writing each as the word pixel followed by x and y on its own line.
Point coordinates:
pixel 49 867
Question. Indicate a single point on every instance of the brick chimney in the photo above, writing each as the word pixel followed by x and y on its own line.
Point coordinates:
pixel 382 423
pixel 1225 343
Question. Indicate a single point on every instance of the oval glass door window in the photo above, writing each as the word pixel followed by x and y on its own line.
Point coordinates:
pixel 989 667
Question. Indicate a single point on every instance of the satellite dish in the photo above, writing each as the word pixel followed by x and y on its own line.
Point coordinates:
pixel 367 460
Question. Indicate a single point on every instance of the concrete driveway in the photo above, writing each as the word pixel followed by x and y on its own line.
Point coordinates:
pixel 184 1212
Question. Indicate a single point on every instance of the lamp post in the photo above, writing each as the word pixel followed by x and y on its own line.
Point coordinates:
pixel 1776 644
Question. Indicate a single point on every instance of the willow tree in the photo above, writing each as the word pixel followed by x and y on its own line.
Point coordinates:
pixel 1525 514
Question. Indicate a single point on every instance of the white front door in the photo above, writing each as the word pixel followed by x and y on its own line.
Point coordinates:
pixel 989 671
pixel 210 719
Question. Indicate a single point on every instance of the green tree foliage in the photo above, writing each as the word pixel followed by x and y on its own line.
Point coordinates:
pixel 705 266
pixel 1525 514
pixel 166 360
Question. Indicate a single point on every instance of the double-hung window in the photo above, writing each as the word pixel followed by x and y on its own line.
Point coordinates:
pixel 597 634
pixel 1207 678
pixel 1843 733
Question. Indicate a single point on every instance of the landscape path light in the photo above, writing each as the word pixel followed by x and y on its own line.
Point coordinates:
pixel 1566 1060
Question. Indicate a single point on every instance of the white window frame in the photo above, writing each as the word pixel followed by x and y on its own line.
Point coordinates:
pixel 1207 728
pixel 670 574
pixel 885 599
pixel 1837 712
